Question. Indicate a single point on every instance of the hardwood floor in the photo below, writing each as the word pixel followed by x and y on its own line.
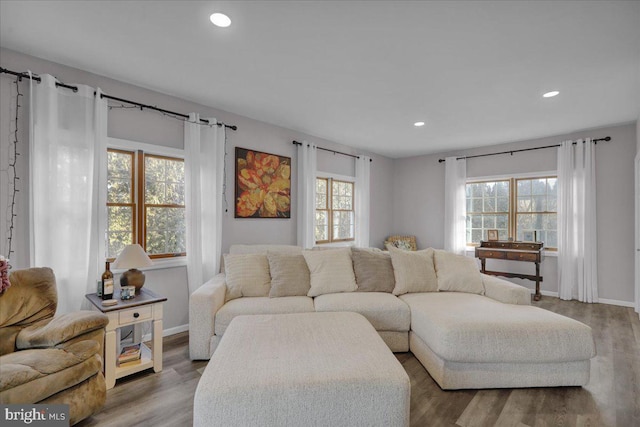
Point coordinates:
pixel 612 397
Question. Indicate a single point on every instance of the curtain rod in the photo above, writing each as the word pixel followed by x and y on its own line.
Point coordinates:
pixel 104 95
pixel 332 151
pixel 606 138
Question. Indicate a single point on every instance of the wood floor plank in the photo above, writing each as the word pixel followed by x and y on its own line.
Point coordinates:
pixel 612 397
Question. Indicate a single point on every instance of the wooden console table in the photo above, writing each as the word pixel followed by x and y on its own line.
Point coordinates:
pixel 513 251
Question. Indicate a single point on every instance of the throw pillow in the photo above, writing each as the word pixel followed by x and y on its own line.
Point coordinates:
pixel 330 271
pixel 413 271
pixel 289 275
pixel 457 273
pixel 373 270
pixel 247 275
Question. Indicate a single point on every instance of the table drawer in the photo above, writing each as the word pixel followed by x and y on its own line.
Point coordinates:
pixel 135 314
pixel 522 256
pixel 491 254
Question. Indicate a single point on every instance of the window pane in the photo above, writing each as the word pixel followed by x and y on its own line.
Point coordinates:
pixel 165 230
pixel 343 225
pixel 476 221
pixel 489 222
pixel 321 194
pixel 476 190
pixel 119 165
pixel 544 226
pixel 524 204
pixel 539 204
pixel 322 226
pixel 539 186
pixel 476 236
pixel 502 188
pixel 119 177
pixel 524 187
pixel 164 181
pixel 552 187
pixel 117 240
pixel 342 195
pixel 502 204
pixel 119 228
pixel 476 205
pixel 489 205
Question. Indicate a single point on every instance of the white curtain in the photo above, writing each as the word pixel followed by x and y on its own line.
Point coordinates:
pixel 455 209
pixel 204 181
pixel 363 200
pixel 307 166
pixel 577 243
pixel 66 147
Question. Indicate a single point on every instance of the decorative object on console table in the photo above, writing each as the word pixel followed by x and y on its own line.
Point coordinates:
pixel 492 235
pixel 513 251
pixel 132 257
pixel 408 243
pixel 263 185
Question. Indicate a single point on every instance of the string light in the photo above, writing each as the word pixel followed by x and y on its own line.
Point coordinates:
pixel 13 170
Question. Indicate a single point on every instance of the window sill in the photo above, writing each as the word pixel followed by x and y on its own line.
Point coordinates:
pixel 336 244
pixel 161 264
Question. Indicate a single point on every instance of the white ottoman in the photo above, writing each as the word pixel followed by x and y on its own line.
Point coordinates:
pixel 307 369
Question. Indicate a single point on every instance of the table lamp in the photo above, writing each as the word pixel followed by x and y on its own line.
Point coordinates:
pixel 132 257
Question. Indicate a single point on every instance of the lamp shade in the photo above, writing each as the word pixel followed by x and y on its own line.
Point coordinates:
pixel 132 256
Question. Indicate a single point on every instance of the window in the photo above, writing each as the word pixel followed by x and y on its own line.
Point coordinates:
pixel 335 216
pixel 145 203
pixel 522 208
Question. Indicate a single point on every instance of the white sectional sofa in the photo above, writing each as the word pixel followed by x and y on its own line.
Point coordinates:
pixel 469 330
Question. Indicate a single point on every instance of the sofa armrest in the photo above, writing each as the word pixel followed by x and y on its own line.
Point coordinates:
pixel 61 329
pixel 204 303
pixel 504 291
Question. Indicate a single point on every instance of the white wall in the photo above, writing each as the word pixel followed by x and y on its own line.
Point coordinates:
pixel 153 128
pixel 418 201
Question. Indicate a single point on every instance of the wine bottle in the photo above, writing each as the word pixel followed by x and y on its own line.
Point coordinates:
pixel 107 283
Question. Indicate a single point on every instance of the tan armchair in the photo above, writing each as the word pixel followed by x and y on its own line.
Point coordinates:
pixel 47 359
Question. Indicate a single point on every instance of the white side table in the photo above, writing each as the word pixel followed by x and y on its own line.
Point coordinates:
pixel 145 307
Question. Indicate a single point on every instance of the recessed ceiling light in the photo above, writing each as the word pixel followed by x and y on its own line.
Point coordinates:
pixel 418 124
pixel 220 20
pixel 551 94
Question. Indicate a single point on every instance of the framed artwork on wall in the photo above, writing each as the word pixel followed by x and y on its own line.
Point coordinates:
pixel 262 185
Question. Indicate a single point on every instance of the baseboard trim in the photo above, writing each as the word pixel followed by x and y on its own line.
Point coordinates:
pixel 168 332
pixel 600 300
pixel 616 302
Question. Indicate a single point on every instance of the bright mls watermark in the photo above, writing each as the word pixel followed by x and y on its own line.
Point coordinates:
pixel 34 415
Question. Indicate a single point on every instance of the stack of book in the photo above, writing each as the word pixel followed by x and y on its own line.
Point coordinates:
pixel 129 355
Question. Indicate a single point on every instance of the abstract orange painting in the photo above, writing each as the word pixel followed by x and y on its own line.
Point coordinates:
pixel 263 185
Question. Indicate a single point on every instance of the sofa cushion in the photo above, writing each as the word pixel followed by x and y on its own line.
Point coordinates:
pixel 289 275
pixel 383 310
pixel 331 271
pixel 413 271
pixel 462 327
pixel 373 270
pixel 457 273
pixel 260 305
pixel 247 275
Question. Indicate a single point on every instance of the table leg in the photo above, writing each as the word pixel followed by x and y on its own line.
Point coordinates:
pixel 537 295
pixel 157 345
pixel 110 358
pixel 483 262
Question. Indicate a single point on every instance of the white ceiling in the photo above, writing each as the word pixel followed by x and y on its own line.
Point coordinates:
pixel 361 73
